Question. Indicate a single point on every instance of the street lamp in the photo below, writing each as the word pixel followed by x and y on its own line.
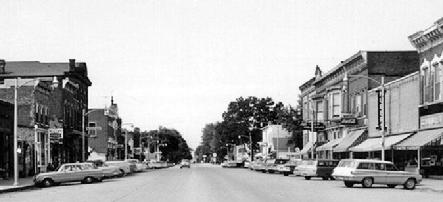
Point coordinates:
pixel 381 83
pixel 15 150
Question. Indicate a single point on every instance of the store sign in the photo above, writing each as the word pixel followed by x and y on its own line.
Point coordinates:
pixel 431 121
pixel 348 121
pixel 317 126
pixel 55 134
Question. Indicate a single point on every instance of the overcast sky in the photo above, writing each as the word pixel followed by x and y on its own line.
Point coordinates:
pixel 178 63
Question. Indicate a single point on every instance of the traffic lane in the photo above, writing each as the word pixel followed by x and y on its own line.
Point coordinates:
pixel 208 183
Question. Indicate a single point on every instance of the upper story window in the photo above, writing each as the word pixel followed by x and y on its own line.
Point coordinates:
pixel 430 84
pixel 319 111
pixel 334 109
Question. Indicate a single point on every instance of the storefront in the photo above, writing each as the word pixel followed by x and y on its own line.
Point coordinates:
pixel 428 147
pixel 372 147
pixel 353 138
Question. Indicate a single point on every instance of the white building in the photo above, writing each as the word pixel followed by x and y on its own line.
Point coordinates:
pixel 275 139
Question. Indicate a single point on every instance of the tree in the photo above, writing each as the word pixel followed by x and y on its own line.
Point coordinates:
pixel 174 147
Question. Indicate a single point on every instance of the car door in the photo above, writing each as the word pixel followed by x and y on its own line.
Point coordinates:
pixel 379 173
pixel 68 174
pixel 393 175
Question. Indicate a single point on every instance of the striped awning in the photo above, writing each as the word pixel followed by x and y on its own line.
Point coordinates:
pixel 421 139
pixel 306 148
pixel 350 140
pixel 330 145
pixel 374 144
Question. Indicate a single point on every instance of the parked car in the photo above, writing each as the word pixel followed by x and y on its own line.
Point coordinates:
pixel 368 172
pixel 316 168
pixel 185 164
pixel 246 164
pixel 272 164
pixel 224 164
pixel 108 170
pixel 158 164
pixel 123 166
pixel 288 167
pixel 259 165
pixel 139 166
pixel 70 172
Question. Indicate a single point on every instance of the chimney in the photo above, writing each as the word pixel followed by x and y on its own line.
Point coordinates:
pixel 2 66
pixel 71 64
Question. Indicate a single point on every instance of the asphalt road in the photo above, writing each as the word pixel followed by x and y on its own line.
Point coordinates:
pixel 207 183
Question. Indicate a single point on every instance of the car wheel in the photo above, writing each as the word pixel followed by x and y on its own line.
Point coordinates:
pixel 88 180
pixel 367 182
pixel 331 178
pixel 47 182
pixel 286 174
pixel 410 184
pixel 349 184
pixel 307 177
pixel 121 174
pixel 392 185
pixel 324 178
pixel 263 171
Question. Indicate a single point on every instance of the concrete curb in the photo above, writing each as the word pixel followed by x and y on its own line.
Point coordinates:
pixel 14 189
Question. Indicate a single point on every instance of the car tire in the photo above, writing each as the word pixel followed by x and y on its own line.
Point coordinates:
pixel 410 184
pixel 324 178
pixel 47 182
pixel 263 171
pixel 122 173
pixel 88 180
pixel 286 174
pixel 307 177
pixel 367 182
pixel 331 178
pixel 392 185
pixel 349 184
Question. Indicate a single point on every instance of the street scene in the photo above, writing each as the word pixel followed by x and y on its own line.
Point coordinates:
pixel 248 100
pixel 209 183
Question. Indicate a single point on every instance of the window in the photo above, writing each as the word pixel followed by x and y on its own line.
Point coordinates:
pixel 364 166
pixel 319 110
pixel 391 167
pixel 437 75
pixel 92 132
pixel 36 116
pixel 334 109
pixel 336 105
pixel 358 107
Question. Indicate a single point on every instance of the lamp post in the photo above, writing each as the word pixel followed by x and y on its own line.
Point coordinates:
pixel 381 83
pixel 15 138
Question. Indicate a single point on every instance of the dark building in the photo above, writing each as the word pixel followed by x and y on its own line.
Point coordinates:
pixel 51 97
pixel 6 138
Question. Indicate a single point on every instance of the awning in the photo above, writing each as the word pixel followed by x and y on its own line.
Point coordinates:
pixel 349 140
pixel 306 148
pixel 330 145
pixel 420 139
pixel 374 144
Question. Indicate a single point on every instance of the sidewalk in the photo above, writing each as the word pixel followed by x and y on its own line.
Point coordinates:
pixel 24 183
pixel 434 185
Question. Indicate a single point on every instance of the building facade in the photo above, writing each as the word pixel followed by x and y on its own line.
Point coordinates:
pixel 51 98
pixel 336 102
pixel 104 127
pixel 6 139
pixel 275 141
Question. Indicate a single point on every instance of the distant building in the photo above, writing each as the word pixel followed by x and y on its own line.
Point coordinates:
pixel 275 141
pixel 104 129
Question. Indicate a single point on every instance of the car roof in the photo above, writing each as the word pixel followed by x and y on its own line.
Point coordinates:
pixel 367 160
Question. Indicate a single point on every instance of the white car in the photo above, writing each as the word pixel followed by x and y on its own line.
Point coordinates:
pixel 139 166
pixel 368 172
pixel 122 165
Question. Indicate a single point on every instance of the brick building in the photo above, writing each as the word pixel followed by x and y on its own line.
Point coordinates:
pixel 104 132
pixel 427 143
pixel 51 98
pixel 6 138
pixel 338 106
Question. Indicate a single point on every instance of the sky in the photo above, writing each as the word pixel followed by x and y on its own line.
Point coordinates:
pixel 178 63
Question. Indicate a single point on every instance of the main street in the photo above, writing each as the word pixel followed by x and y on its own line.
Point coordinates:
pixel 208 183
